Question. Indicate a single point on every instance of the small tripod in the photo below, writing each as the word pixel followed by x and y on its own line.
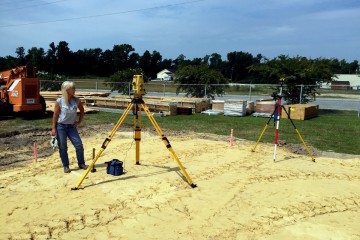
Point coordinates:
pixel 277 114
pixel 137 104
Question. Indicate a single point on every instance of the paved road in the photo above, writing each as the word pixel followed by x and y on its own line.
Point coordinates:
pixel 338 103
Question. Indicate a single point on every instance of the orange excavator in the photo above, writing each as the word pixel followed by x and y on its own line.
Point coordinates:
pixel 20 91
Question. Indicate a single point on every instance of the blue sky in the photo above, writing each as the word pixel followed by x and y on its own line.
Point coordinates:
pixel 308 28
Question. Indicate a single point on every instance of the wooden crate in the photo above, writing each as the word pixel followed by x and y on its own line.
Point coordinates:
pixel 265 106
pixel 217 105
pixel 300 111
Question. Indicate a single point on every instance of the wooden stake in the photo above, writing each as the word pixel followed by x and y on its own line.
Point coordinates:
pixel 35 152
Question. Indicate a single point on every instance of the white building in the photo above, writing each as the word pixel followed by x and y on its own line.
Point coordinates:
pixel 353 79
pixel 165 75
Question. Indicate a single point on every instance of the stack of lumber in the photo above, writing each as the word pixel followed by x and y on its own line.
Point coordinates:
pixel 235 108
pixel 166 105
pixel 196 104
pixel 50 108
pixel 167 108
pixel 50 99
pixel 52 96
pixel 154 105
pixel 300 111
pixel 110 102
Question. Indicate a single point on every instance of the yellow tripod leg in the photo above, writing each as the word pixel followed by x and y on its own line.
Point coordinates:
pixel 137 130
pixel 307 149
pixel 298 133
pixel 167 144
pixel 104 145
pixel 262 133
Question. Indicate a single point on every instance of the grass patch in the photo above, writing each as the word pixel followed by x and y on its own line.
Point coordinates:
pixel 332 130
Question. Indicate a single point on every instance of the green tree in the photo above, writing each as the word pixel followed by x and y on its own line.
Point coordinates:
pixel 20 52
pixel 351 68
pixel 121 80
pixel 106 63
pixel 300 76
pixel 145 62
pixel 51 58
pixel 155 64
pixel 88 62
pixel 215 61
pixel 150 63
pixel 36 57
pixel 166 64
pixel 181 61
pixel 124 57
pixel 64 59
pixel 50 81
pixel 238 63
pixel 196 81
pixel 8 63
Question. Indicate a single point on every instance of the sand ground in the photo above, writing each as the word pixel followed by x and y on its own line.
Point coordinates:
pixel 240 194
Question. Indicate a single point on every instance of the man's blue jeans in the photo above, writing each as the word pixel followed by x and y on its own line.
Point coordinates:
pixel 65 131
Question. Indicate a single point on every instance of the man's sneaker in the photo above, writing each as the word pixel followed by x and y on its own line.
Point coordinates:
pixel 83 166
pixel 67 170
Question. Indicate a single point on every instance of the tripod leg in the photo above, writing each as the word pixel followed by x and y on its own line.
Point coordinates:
pixel 167 144
pixel 298 133
pixel 278 115
pixel 137 130
pixel 137 141
pixel 263 131
pixel 104 145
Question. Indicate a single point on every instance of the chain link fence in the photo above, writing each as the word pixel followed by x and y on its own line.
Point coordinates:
pixel 344 97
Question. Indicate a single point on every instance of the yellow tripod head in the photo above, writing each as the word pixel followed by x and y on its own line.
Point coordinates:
pixel 138 86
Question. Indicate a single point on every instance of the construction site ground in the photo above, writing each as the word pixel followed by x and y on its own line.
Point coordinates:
pixel 240 194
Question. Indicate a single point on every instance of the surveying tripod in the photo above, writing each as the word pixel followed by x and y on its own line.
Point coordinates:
pixel 137 104
pixel 277 115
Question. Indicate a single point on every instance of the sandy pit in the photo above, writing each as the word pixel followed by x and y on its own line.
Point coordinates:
pixel 240 194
